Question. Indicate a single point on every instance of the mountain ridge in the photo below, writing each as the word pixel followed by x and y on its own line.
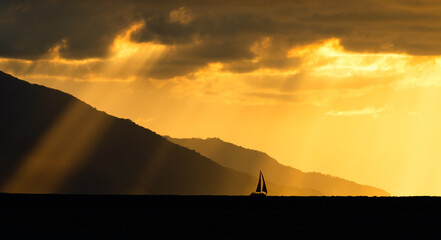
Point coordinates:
pixel 250 161
pixel 52 142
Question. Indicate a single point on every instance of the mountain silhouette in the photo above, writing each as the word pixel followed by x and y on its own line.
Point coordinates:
pixel 51 142
pixel 251 161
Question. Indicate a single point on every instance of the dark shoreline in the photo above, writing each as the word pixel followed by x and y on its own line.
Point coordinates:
pixel 222 216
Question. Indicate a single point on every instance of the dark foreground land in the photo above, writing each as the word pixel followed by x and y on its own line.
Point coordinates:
pixel 214 217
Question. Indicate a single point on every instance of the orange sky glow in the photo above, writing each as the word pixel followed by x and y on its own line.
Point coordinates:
pixel 367 116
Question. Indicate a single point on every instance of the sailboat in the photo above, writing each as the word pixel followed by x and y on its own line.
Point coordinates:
pixel 261 187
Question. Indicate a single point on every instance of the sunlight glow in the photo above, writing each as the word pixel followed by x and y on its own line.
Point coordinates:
pixel 318 112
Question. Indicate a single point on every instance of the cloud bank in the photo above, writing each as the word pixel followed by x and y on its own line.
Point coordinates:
pixel 201 32
pixel 248 51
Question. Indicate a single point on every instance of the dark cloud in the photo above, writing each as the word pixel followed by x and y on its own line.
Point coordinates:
pixel 218 31
pixel 30 28
pixel 189 58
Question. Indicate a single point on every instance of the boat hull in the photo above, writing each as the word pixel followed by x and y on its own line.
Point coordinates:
pixel 258 194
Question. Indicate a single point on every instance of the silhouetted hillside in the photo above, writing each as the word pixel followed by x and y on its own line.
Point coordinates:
pixel 51 142
pixel 251 161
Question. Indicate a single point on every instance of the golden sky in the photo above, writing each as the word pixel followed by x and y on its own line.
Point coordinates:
pixel 346 88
